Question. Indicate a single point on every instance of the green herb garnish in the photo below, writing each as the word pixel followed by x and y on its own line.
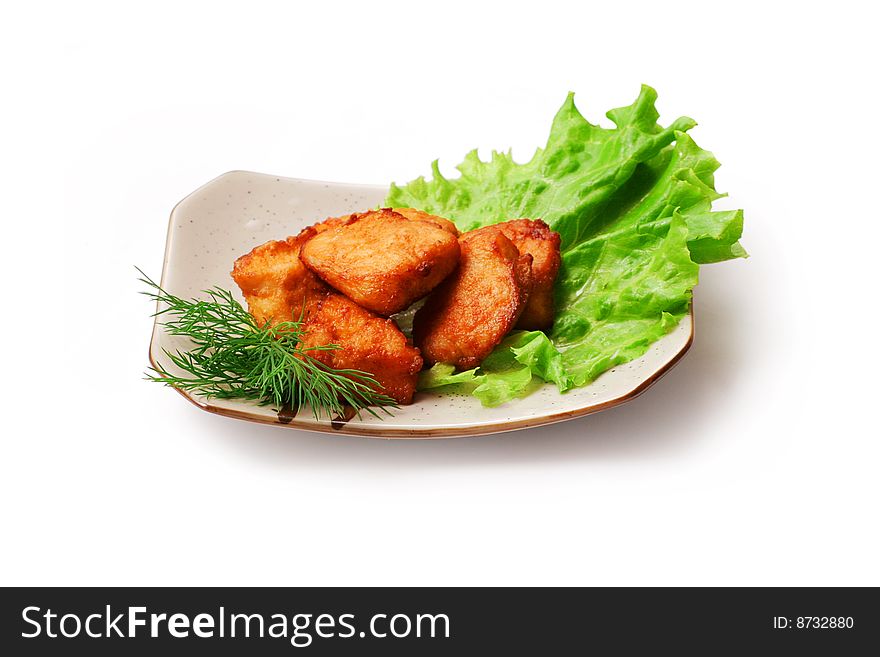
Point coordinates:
pixel 234 357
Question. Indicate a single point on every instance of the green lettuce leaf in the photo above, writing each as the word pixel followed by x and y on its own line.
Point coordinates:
pixel 519 364
pixel 535 350
pixel 444 375
pixel 620 294
pixel 565 183
pixel 633 206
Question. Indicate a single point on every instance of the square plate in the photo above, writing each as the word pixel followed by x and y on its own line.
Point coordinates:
pixel 232 214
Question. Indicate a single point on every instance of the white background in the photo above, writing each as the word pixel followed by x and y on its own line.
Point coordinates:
pixel 754 461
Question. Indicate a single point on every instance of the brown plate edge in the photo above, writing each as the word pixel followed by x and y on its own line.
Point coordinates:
pixel 452 432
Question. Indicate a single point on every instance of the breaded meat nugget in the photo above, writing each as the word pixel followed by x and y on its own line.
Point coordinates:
pixel 417 215
pixel 275 283
pixel 472 311
pixel 382 260
pixel 367 342
pixel 535 238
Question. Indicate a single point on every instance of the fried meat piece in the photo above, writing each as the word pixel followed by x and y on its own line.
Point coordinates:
pixel 472 311
pixel 382 260
pixel 536 239
pixel 367 342
pixel 417 215
pixel 275 283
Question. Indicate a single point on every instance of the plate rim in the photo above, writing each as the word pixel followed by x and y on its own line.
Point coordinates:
pixel 390 433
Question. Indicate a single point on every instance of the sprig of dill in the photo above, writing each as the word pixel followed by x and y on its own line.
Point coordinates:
pixel 234 357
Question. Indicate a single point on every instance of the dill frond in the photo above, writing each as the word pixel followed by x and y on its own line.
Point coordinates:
pixel 234 357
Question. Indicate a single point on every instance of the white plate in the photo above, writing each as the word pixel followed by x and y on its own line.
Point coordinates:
pixel 232 214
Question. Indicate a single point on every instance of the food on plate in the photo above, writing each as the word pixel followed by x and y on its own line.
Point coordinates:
pixel 535 238
pixel 620 220
pixel 366 342
pixel 382 260
pixel 471 312
pixel 275 283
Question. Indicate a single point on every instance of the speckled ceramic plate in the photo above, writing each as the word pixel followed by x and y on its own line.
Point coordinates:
pixel 232 214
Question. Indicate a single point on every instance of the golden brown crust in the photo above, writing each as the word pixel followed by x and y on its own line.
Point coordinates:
pixel 471 312
pixel 275 283
pixel 331 222
pixel 417 215
pixel 382 260
pixel 535 238
pixel 410 213
pixel 367 342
